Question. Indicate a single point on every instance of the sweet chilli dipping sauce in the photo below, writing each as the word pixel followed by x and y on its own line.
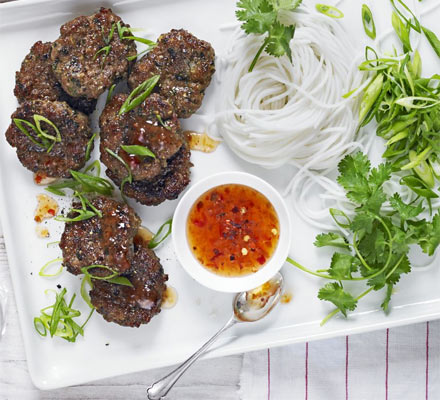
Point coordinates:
pixel 233 230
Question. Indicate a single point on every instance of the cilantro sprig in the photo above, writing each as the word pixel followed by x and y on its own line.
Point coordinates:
pixel 375 249
pixel 261 17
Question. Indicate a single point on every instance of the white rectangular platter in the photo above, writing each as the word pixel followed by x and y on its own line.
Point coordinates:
pixel 107 349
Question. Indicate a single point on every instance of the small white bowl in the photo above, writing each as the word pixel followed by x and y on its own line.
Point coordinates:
pixel 198 271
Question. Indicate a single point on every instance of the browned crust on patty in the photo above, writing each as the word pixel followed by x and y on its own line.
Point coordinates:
pixel 132 306
pixel 77 66
pixel 101 241
pixel 185 65
pixel 67 154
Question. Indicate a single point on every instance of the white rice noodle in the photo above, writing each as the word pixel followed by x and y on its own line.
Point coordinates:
pixel 291 112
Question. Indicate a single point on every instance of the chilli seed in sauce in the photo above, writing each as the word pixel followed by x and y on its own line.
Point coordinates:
pixel 232 230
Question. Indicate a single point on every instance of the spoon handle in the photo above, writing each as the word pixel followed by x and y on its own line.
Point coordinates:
pixel 160 388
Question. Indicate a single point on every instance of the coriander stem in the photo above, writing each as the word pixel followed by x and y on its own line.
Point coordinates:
pixel 364 263
pixel 302 268
pixel 334 312
pixel 257 56
pixel 307 270
pixel 395 267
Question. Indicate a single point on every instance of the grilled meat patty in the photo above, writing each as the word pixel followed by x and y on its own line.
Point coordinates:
pixel 89 56
pixel 132 306
pixel 154 179
pixel 140 126
pixel 167 186
pixel 36 80
pixel 32 151
pixel 185 65
pixel 101 241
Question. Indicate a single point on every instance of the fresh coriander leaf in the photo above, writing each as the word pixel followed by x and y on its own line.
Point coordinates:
pixel 373 247
pixel 404 267
pixel 331 239
pixel 379 176
pixel 279 40
pixel 405 211
pixel 287 5
pixel 374 201
pixel 362 222
pixel 400 240
pixel 353 172
pixel 342 266
pixel 378 281
pixel 257 15
pixel 429 235
pixel 334 292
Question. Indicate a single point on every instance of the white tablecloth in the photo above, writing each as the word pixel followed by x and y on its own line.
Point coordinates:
pixel 393 364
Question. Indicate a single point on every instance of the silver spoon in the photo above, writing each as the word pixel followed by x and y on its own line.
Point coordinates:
pixel 248 306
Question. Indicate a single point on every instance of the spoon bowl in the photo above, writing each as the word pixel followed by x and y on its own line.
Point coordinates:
pixel 250 306
pixel 255 304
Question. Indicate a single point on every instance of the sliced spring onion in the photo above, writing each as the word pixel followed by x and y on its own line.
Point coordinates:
pixel 340 218
pixel 330 11
pixel 92 184
pixel 95 165
pixel 47 141
pixel 159 118
pixel 131 58
pixel 52 243
pixel 408 21
pixel 58 319
pixel 82 215
pixel 162 233
pixel 368 22
pixel 84 293
pixel 370 96
pixel 89 146
pixel 48 264
pixel 139 94
pixel 138 150
pixel 402 32
pixel 110 93
pixel 128 178
pixel 105 50
pixel 432 39
pixel 113 277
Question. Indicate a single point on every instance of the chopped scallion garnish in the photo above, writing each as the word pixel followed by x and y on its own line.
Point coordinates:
pixel 47 141
pixel 58 319
pixel 330 11
pixel 113 277
pixel 128 178
pixel 110 93
pixel 138 150
pixel 48 264
pixel 89 146
pixel 162 233
pixel 368 22
pixel 139 94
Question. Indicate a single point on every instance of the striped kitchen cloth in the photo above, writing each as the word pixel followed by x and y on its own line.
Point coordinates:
pixel 394 364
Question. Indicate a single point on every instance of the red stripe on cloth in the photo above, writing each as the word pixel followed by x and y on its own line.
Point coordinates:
pixel 427 362
pixel 268 374
pixel 386 365
pixel 307 370
pixel 346 367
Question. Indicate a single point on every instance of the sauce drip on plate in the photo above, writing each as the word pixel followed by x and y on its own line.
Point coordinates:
pixel 232 230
